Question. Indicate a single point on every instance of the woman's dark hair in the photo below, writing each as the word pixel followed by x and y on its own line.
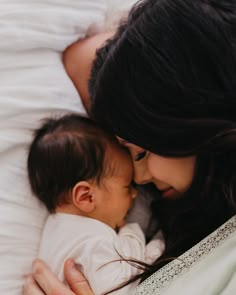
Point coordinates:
pixel 167 82
pixel 64 151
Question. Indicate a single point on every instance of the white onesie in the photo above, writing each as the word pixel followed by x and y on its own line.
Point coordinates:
pixel 97 249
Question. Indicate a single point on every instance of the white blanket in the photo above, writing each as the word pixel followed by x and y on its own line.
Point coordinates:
pixel 33 84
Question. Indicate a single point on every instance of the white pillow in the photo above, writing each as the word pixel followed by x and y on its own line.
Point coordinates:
pixel 34 84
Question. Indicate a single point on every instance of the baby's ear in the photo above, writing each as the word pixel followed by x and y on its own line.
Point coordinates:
pixel 82 197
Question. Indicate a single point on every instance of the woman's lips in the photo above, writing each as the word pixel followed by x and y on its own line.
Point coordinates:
pixel 170 192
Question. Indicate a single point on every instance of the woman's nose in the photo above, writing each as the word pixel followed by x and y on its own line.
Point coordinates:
pixel 141 173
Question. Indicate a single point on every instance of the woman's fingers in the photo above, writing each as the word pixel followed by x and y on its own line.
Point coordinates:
pixel 31 287
pixel 48 282
pixel 76 280
pixel 50 285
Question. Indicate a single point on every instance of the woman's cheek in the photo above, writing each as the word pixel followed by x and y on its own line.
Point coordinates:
pixel 156 167
pixel 176 172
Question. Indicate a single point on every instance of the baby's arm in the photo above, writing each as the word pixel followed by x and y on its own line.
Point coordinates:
pixel 133 243
pixel 105 267
pixel 132 240
pixel 155 248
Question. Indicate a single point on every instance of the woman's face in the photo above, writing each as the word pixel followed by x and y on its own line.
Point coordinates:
pixel 171 176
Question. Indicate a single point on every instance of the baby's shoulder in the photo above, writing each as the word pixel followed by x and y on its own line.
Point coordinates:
pixel 75 225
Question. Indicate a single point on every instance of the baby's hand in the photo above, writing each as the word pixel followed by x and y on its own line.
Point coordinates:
pixel 155 248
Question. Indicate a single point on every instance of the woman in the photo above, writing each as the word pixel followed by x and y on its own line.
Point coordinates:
pixel 165 86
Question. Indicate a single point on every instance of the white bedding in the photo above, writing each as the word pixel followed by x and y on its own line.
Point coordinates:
pixel 33 84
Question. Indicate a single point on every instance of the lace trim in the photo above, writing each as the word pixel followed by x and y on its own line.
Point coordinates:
pixel 171 271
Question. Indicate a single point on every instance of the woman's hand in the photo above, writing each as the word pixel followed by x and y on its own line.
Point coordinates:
pixel 43 281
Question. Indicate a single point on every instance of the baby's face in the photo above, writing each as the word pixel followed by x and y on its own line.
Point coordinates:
pixel 115 194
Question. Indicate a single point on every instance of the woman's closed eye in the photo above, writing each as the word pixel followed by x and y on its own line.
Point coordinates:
pixel 140 156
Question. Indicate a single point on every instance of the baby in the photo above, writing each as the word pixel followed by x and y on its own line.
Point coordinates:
pixel 84 177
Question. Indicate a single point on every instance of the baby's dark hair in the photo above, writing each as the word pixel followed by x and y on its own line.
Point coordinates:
pixel 64 151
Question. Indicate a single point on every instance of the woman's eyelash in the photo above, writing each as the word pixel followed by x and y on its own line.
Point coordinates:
pixel 140 156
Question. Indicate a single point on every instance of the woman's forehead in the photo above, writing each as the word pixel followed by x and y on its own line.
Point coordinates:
pixel 128 144
pixel 121 140
pixel 124 141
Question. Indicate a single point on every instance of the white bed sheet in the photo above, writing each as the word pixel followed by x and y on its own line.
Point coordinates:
pixel 33 84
